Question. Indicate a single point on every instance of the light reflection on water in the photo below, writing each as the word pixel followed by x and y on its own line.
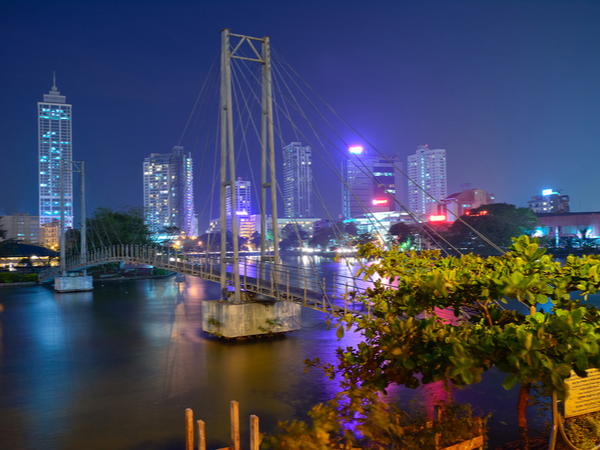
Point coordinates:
pixel 115 368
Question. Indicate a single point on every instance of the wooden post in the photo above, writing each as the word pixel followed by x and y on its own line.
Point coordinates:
pixel 437 416
pixel 254 433
pixel 324 294
pixel 288 285
pixel 272 280
pixel 304 303
pixel 245 270
pixel 235 424
pixel 201 435
pixel 333 293
pixel 189 429
pixel 346 300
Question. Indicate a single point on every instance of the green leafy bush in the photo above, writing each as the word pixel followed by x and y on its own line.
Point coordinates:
pixel 13 277
pixel 364 420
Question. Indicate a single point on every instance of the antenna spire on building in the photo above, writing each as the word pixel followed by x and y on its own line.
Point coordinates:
pixel 54 81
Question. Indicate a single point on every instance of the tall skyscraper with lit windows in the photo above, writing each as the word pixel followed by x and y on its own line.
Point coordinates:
pixel 168 191
pixel 427 170
pixel 297 180
pixel 54 145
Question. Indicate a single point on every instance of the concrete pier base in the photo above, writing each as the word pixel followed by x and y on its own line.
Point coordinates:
pixel 73 284
pixel 229 320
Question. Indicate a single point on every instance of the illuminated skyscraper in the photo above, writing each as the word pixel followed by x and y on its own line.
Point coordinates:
pixel 243 210
pixel 54 145
pixel 168 191
pixel 371 183
pixel 427 168
pixel 297 181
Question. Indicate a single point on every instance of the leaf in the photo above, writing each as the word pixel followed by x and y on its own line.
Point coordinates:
pixel 509 381
pixel 340 332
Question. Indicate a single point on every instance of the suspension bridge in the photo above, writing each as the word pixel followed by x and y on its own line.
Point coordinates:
pixel 323 291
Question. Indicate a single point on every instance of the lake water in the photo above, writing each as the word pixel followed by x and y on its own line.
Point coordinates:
pixel 115 368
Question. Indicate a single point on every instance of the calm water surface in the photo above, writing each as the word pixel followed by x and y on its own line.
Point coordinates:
pixel 115 368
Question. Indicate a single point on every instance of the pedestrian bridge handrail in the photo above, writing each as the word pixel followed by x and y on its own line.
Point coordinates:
pixel 326 292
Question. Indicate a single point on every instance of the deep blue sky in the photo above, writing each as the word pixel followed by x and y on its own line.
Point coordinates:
pixel 511 89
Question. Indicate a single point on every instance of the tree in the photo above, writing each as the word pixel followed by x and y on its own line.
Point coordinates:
pixel 108 227
pixel 499 222
pixel 255 240
pixel 292 235
pixel 322 237
pixel 408 343
pixel 2 231
pixel 351 229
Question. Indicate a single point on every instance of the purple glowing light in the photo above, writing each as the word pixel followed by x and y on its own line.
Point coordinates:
pixel 355 149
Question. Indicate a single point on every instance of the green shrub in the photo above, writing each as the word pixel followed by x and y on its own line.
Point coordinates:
pixel 10 277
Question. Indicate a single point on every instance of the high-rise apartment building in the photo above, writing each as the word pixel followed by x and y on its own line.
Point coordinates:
pixel 550 201
pixel 54 146
pixel 297 180
pixel 372 183
pixel 243 209
pixel 427 170
pixel 168 191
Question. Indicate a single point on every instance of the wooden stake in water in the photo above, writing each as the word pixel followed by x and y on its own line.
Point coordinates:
pixel 235 424
pixel 254 433
pixel 324 294
pixel 346 300
pixel 189 429
pixel 304 303
pixel 201 435
pixel 287 277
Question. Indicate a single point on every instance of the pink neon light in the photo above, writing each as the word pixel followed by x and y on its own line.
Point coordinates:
pixel 380 201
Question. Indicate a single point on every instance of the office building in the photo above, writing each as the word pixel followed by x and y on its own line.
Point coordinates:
pixel 54 145
pixel 427 170
pixel 243 209
pixel 168 191
pixel 549 202
pixel 372 183
pixel 22 228
pixel 297 181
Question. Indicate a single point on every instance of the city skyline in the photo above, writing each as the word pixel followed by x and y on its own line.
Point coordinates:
pixel 506 87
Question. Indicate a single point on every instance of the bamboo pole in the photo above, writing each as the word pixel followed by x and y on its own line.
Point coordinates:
pixel 304 303
pixel 333 292
pixel 201 435
pixel 346 300
pixel 324 294
pixel 235 424
pixel 288 284
pixel 189 429
pixel 254 433
pixel 245 270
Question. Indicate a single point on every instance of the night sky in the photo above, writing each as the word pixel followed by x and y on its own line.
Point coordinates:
pixel 511 89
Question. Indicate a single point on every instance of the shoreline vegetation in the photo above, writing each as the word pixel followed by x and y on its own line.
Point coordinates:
pixel 31 279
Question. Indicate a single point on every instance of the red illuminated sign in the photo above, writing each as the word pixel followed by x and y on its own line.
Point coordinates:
pixel 437 218
pixel 380 201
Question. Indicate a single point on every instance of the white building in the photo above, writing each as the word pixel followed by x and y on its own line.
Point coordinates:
pixel 54 145
pixel 427 168
pixel 297 180
pixel 168 191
